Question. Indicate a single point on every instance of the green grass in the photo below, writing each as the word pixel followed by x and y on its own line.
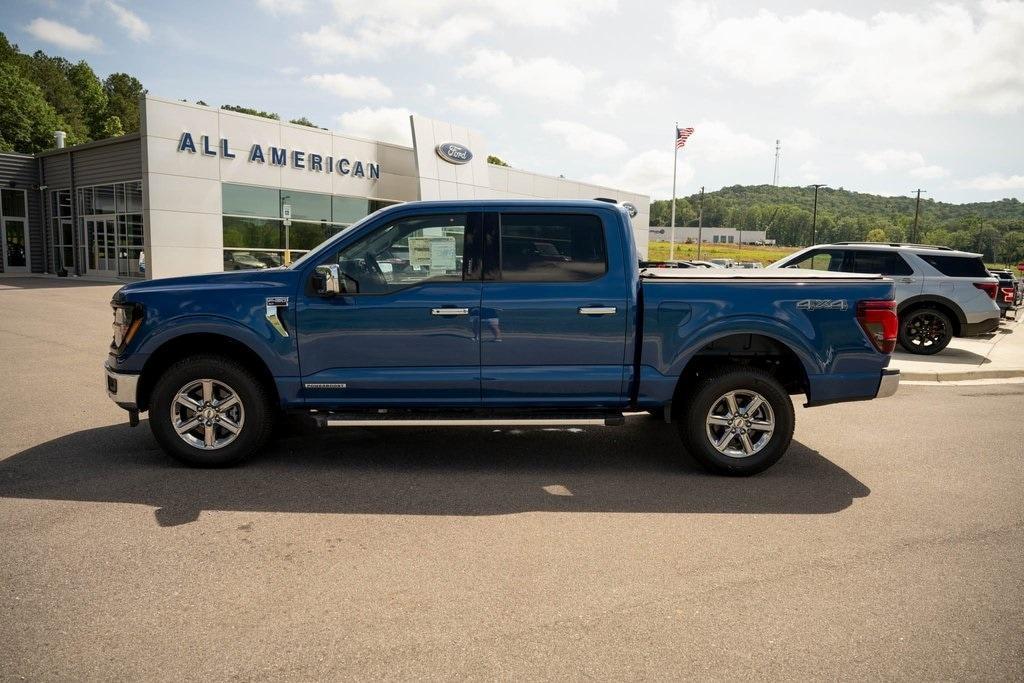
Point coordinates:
pixel 688 252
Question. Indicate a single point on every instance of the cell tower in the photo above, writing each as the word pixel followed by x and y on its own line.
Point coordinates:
pixel 775 176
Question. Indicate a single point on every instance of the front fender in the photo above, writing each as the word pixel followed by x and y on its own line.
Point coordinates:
pixel 278 353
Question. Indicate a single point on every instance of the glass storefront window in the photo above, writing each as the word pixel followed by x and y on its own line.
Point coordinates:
pixel 12 203
pixel 119 197
pixel 307 205
pixel 85 203
pixel 103 201
pixel 245 200
pixel 258 233
pixel 350 209
pixel 133 196
pixel 305 236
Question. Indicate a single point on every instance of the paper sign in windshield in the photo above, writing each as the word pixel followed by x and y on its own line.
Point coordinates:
pixel 436 253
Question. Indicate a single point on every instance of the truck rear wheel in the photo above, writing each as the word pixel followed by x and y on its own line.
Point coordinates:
pixel 738 421
pixel 209 411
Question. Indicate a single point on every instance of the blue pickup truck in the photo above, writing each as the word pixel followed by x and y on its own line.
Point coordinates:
pixel 496 313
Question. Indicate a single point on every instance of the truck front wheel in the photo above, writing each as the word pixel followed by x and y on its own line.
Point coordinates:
pixel 209 411
pixel 738 421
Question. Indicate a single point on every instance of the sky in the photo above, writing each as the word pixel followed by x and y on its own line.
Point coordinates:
pixel 881 97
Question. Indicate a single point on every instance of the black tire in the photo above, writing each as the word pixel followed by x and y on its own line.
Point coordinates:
pixel 255 413
pixel 712 389
pixel 925 331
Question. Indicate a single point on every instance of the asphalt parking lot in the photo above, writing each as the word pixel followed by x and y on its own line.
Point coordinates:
pixel 886 544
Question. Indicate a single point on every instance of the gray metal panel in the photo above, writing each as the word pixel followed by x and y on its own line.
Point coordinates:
pixel 56 171
pixel 21 170
pixel 109 163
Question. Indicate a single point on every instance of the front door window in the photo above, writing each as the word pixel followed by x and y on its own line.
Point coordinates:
pixel 13 230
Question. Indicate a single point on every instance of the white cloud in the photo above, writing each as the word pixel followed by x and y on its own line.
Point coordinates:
pixel 350 87
pixel 929 172
pixel 994 182
pixel 649 173
pixel 368 30
pixel 429 89
pixel 944 58
pixel 716 141
pixel 62 35
pixel 287 70
pixel 884 160
pixel 137 29
pixel 800 140
pixel 476 106
pixel 381 123
pixel 541 77
pixel 282 7
pixel 632 93
pixel 580 137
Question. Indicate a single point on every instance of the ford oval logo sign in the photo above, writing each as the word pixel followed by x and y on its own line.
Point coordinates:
pixel 454 153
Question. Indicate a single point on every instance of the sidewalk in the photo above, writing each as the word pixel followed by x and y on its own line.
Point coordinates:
pixel 999 355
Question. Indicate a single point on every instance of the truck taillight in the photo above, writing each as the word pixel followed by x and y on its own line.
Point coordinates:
pixel 1007 294
pixel 878 318
pixel 989 288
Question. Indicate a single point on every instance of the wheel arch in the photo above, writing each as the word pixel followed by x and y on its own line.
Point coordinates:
pixel 201 343
pixel 940 303
pixel 756 350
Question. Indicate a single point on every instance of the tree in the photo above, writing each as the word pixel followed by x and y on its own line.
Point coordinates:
pixel 250 111
pixel 123 95
pixel 27 120
pixel 89 90
pixel 896 233
pixel 497 161
pixel 303 121
pixel 112 128
pixel 1011 250
pixel 51 75
pixel 876 235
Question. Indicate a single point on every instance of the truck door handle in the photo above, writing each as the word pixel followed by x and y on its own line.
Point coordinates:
pixel 449 311
pixel 597 310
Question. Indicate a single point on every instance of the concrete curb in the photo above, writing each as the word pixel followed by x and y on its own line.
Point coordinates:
pixel 1005 373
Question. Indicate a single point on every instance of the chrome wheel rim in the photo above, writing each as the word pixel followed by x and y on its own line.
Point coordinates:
pixel 207 414
pixel 925 329
pixel 740 423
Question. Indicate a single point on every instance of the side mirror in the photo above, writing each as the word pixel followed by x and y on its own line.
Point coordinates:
pixel 327 280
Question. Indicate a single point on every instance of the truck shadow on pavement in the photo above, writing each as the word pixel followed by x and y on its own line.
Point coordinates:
pixel 638 468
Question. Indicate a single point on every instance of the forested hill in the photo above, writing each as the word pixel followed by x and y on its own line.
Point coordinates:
pixel 993 228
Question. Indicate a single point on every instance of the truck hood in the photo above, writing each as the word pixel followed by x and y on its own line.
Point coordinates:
pixel 271 278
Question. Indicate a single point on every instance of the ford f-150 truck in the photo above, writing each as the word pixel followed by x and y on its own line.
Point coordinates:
pixel 496 313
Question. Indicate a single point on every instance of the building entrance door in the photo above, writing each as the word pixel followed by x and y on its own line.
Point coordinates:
pixel 13 241
pixel 101 239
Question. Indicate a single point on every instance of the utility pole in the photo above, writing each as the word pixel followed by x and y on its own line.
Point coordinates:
pixel 700 223
pixel 775 175
pixel 917 211
pixel 814 216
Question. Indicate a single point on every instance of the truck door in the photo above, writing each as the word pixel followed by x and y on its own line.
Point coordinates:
pixel 406 331
pixel 553 310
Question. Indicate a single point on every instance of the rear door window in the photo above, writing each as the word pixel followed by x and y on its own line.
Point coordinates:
pixel 552 248
pixel 956 266
pixel 882 262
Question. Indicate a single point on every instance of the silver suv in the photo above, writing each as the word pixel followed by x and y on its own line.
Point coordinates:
pixel 941 293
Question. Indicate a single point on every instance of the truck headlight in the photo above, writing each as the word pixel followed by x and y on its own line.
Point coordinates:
pixel 127 319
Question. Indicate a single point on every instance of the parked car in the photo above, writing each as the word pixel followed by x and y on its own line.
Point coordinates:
pixel 667 264
pixel 723 262
pixel 941 293
pixel 748 265
pixel 490 341
pixel 1008 296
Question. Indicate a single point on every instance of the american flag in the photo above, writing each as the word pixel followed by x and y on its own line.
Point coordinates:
pixel 682 135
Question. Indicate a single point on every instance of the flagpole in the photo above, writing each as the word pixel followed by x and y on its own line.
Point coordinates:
pixel 675 162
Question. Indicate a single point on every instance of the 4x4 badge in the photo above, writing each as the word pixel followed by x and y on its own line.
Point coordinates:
pixel 822 304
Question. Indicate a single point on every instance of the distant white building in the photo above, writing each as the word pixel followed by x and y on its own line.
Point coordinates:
pixel 709 235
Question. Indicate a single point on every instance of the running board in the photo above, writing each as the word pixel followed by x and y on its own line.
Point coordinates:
pixel 426 419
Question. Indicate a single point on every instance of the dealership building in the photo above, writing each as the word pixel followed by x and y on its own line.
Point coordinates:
pixel 199 189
